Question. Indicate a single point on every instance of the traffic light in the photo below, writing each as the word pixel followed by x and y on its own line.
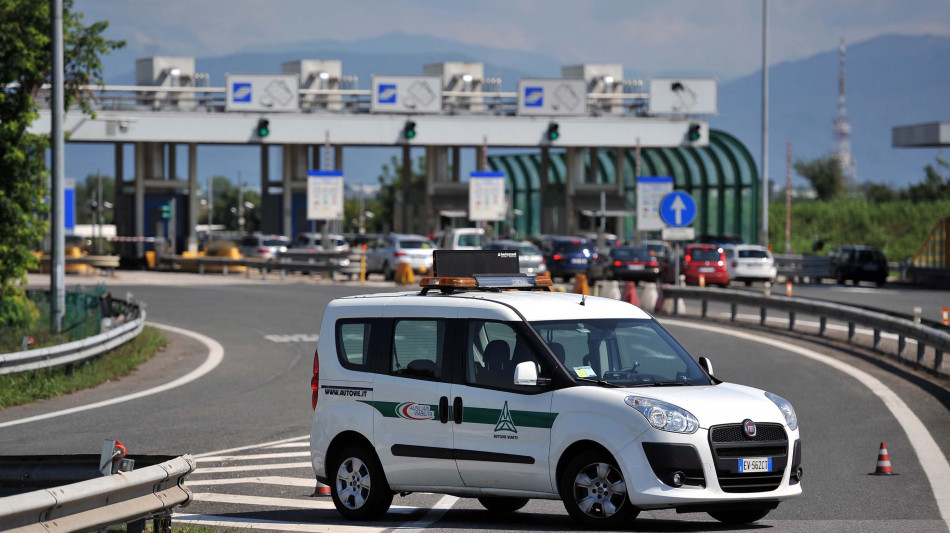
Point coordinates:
pixel 409 130
pixel 553 132
pixel 263 128
pixel 693 135
pixel 166 211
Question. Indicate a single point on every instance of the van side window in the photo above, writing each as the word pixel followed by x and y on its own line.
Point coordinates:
pixel 353 338
pixel 493 350
pixel 417 349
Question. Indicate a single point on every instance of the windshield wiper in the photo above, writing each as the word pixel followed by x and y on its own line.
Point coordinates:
pixel 600 382
pixel 657 384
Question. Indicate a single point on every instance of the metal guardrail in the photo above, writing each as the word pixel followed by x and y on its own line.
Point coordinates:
pixel 131 321
pixel 935 337
pixel 99 502
pixel 309 262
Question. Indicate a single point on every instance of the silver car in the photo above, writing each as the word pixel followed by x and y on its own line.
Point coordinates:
pixel 383 256
pixel 263 246
pixel 530 260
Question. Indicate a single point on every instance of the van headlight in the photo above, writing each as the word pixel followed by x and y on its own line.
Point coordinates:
pixel 786 408
pixel 664 416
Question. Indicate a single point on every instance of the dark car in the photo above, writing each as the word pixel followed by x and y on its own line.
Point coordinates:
pixel 633 263
pixel 858 263
pixel 567 256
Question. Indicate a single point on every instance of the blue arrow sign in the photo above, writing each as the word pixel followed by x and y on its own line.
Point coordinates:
pixel 678 209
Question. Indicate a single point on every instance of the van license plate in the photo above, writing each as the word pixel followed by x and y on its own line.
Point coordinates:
pixel 755 464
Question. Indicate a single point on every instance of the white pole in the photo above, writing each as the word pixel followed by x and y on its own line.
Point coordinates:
pixel 57 196
pixel 764 231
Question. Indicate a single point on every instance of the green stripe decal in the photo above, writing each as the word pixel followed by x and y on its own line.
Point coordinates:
pixel 527 419
pixel 470 415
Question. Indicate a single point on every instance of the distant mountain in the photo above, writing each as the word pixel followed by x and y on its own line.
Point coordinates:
pixel 891 81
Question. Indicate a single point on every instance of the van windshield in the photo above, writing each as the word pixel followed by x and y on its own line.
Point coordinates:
pixel 416 245
pixel 625 352
pixel 470 239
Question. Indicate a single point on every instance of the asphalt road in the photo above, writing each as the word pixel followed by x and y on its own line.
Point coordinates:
pixel 248 419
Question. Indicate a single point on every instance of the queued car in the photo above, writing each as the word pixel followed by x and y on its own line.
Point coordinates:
pixel 314 242
pixel 467 389
pixel 530 260
pixel 749 262
pixel 567 256
pixel 664 254
pixel 384 255
pixel 263 246
pixel 858 263
pixel 633 263
pixel 707 261
pixel 461 239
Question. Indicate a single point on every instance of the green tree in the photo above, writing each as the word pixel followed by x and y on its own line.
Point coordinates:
pixel 934 187
pixel 824 174
pixel 390 181
pixel 25 65
pixel 879 193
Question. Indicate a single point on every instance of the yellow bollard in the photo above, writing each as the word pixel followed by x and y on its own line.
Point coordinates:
pixel 580 284
pixel 362 269
pixel 404 274
pixel 150 259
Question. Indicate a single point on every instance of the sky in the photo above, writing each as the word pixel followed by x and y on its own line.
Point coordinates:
pixel 721 37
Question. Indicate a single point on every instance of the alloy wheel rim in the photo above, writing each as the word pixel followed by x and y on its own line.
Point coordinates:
pixel 599 490
pixel 353 483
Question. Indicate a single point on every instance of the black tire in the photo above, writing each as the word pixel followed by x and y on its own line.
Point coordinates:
pixel 839 277
pixel 388 273
pixel 358 485
pixel 882 283
pixel 743 516
pixel 500 504
pixel 748 284
pixel 585 489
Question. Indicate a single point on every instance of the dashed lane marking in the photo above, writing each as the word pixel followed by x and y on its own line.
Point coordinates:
pixel 273 525
pixel 295 503
pixel 284 455
pixel 262 480
pixel 246 468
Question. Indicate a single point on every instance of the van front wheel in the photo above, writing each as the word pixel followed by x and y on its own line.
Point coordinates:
pixel 594 491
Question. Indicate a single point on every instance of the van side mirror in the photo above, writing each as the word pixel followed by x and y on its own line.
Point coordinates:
pixel 526 374
pixel 706 364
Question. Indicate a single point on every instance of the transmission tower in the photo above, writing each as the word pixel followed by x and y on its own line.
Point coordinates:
pixel 842 132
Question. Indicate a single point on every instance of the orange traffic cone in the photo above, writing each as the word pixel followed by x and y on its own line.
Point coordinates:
pixel 883 462
pixel 630 294
pixel 321 490
pixel 580 284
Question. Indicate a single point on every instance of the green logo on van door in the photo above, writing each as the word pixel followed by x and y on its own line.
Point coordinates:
pixel 505 423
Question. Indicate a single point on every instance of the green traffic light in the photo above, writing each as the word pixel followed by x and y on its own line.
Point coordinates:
pixel 694 133
pixel 409 130
pixel 553 131
pixel 263 127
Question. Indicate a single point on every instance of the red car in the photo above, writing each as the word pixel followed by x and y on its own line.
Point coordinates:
pixel 707 260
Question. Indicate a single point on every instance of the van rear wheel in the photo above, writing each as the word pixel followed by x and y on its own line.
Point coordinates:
pixel 359 488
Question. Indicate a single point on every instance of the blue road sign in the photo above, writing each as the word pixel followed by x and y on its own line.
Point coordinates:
pixel 678 209
pixel 241 92
pixel 534 96
pixel 386 93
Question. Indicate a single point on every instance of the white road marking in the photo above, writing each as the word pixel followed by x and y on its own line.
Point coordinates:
pixel 215 356
pixel 293 337
pixel 292 445
pixel 283 455
pixel 325 503
pixel 273 525
pixel 247 468
pixel 263 480
pixel 256 446
pixel 932 460
pixel 431 517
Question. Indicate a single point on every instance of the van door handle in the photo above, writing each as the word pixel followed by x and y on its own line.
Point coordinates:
pixel 457 409
pixel 444 409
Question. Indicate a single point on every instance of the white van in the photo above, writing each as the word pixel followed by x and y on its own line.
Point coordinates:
pixel 462 239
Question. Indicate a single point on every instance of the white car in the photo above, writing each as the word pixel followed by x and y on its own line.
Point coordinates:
pixel 749 262
pixel 384 255
pixel 505 396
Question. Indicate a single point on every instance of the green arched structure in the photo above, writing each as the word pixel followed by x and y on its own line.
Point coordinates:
pixel 721 177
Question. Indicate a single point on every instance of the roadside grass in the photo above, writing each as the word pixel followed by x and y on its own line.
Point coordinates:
pixel 19 389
